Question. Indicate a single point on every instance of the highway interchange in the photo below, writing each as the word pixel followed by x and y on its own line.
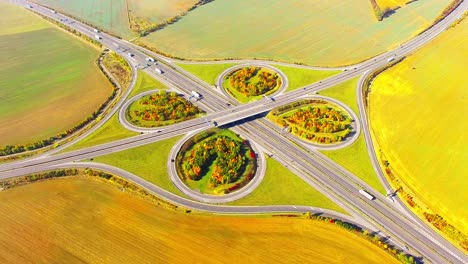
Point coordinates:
pixel 388 216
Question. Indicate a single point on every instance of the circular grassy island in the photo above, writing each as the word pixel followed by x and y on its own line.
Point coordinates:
pixel 314 120
pixel 251 83
pixel 216 162
pixel 160 109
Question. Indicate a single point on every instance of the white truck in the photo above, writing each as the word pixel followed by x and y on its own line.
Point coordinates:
pixel 97 37
pixel 53 11
pixel 366 194
pixel 96 30
pixel 159 70
pixel 390 59
pixel 196 95
pixel 150 59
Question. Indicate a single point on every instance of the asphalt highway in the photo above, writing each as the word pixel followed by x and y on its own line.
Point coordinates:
pixel 324 173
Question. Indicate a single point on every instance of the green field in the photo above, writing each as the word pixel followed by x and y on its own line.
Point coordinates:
pixel 282 187
pixel 83 220
pixel 417 113
pixel 115 16
pixel 207 72
pixel 148 162
pixel 297 77
pixel 145 83
pixel 108 15
pixel 327 33
pixel 38 102
pixel 354 158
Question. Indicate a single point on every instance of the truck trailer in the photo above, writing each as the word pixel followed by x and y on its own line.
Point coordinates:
pixel 159 70
pixel 366 194
pixel 196 95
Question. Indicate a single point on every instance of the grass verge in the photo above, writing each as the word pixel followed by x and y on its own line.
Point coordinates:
pixel 282 187
pixel 354 158
pixel 148 162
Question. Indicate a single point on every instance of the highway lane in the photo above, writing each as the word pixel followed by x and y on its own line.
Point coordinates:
pixel 379 212
pixel 355 72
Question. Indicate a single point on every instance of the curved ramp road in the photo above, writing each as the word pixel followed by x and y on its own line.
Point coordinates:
pixel 337 183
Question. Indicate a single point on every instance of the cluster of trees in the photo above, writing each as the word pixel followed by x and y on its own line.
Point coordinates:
pixel 379 13
pixel 225 154
pixel 162 107
pixel 143 27
pixel 320 124
pixel 118 67
pixel 242 81
pixel 320 120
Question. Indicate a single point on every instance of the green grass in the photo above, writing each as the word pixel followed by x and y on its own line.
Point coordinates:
pixel 299 77
pixel 109 15
pixel 327 33
pixel 206 72
pixel 354 158
pixel 345 92
pixel 50 81
pixel 145 83
pixel 148 162
pixel 282 187
pixel 112 130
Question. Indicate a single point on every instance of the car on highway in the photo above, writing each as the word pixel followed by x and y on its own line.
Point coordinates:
pixel 97 37
pixel 130 54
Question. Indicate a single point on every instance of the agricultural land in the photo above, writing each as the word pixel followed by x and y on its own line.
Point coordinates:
pixel 34 106
pixel 242 29
pixel 216 162
pixel 102 220
pixel 124 18
pixel 416 114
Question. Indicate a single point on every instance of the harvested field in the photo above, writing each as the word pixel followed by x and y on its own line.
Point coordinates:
pixel 85 220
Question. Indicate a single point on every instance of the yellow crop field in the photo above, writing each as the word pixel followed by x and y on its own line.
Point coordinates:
pixel 418 117
pixel 78 219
